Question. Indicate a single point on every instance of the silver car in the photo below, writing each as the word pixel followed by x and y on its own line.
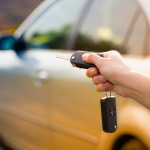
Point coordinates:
pixel 45 103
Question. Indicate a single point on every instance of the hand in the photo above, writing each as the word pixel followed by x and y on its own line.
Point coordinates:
pixel 112 68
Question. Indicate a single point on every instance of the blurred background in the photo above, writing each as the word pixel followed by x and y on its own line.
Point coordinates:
pixel 13 13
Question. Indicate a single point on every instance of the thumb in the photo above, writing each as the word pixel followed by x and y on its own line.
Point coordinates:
pixel 92 59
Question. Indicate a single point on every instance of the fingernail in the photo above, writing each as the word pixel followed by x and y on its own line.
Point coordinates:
pixel 84 56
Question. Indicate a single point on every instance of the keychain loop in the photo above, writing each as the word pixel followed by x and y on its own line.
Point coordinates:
pixel 107 95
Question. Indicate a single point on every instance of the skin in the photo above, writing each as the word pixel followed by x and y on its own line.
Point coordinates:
pixel 117 76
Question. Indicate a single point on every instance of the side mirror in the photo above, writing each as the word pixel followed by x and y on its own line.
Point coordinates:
pixel 11 43
pixel 7 42
pixel 18 45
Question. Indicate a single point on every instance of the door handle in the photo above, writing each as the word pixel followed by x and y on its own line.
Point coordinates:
pixel 41 77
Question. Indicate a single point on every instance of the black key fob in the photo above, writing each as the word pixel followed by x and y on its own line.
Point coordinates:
pixel 76 60
pixel 109 114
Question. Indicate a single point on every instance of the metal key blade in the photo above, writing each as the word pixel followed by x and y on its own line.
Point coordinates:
pixel 62 57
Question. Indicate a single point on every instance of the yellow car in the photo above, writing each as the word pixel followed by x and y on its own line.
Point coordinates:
pixel 45 103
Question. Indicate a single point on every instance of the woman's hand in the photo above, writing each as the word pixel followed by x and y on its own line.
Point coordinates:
pixel 111 68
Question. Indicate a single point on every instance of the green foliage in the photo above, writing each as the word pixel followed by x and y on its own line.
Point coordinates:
pixel 54 39
pixel 84 42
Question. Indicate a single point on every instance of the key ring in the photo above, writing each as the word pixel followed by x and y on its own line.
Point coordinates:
pixel 107 95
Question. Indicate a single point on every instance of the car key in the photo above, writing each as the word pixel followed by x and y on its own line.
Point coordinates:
pixel 76 60
pixel 108 103
pixel 108 112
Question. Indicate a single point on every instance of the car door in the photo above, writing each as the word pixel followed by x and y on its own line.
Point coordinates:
pixel 22 106
pixel 69 129
pixel 26 103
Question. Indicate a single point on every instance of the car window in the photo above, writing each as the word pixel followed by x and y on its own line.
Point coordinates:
pixel 136 43
pixel 50 29
pixel 105 25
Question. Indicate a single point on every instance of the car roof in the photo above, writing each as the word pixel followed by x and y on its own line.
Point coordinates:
pixel 144 4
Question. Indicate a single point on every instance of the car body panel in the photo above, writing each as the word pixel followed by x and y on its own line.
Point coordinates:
pixel 59 115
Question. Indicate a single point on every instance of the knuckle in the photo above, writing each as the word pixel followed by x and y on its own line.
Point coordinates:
pixel 114 51
pixel 95 80
pixel 91 56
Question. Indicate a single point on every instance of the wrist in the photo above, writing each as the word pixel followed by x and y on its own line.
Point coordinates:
pixel 124 78
pixel 138 85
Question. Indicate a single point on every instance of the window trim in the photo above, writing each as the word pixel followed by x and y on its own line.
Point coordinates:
pixel 130 29
pixel 74 31
pixel 127 34
pixel 146 47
